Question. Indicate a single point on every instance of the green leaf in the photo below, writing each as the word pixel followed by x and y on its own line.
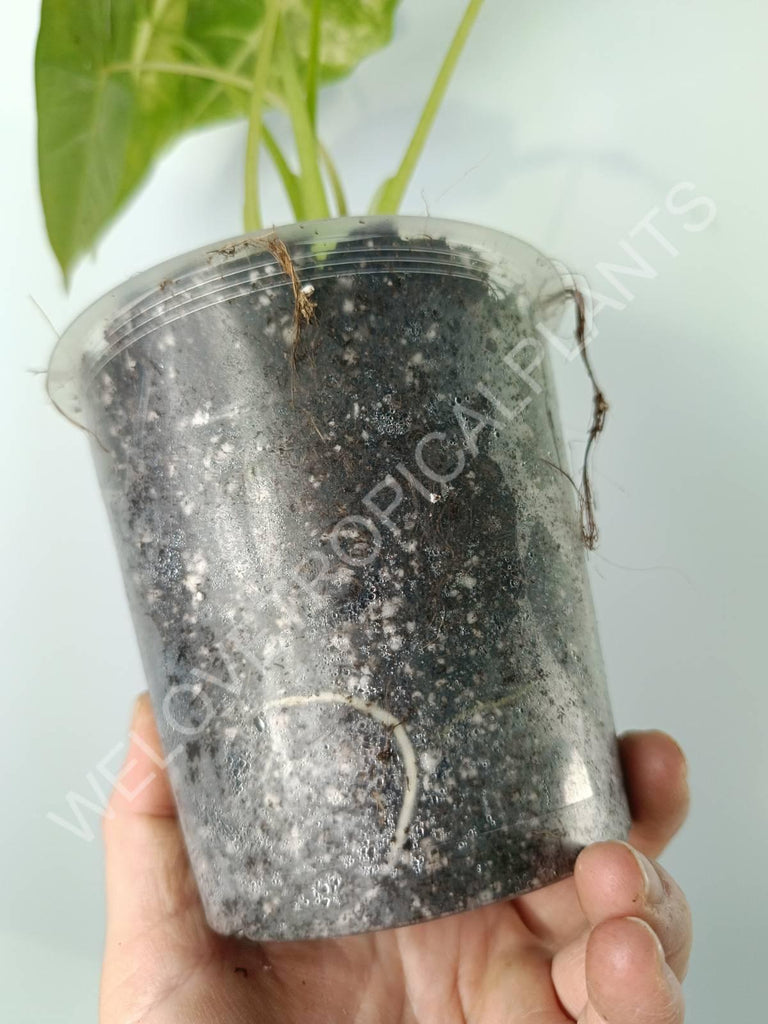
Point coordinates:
pixel 118 80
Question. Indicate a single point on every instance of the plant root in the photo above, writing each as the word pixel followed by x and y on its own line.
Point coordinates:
pixel 398 730
pixel 589 531
pixel 303 306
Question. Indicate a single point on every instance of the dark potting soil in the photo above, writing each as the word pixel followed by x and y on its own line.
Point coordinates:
pixel 358 583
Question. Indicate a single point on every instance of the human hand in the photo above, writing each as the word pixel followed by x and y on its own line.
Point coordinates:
pixel 577 950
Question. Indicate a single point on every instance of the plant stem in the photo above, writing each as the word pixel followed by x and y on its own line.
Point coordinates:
pixel 252 213
pixel 288 177
pixel 390 196
pixel 313 191
pixel 335 181
pixel 313 62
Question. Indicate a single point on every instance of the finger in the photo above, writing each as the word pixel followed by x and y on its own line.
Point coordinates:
pixel 143 782
pixel 613 881
pixel 655 777
pixel 148 879
pixel 627 977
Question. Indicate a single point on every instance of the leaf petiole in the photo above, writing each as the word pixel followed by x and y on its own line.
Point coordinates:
pixel 252 214
pixel 390 195
pixel 334 180
pixel 288 177
pixel 313 191
pixel 314 61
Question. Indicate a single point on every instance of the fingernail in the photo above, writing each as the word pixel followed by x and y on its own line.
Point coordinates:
pixel 137 705
pixel 659 948
pixel 654 890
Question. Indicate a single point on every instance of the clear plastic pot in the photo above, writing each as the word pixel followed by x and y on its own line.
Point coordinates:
pixel 355 569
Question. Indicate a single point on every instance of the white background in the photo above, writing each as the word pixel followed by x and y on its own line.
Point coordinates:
pixel 566 124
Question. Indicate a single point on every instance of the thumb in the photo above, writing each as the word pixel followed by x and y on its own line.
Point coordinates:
pixel 149 882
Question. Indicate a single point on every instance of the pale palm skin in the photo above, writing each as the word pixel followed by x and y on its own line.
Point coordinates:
pixel 568 952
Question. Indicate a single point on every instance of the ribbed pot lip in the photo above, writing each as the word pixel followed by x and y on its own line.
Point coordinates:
pixel 224 268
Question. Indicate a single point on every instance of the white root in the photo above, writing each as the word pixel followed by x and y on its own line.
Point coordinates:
pixel 407 753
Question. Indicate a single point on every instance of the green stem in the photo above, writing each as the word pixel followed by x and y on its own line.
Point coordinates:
pixel 335 181
pixel 256 113
pixel 391 194
pixel 313 62
pixel 289 179
pixel 312 188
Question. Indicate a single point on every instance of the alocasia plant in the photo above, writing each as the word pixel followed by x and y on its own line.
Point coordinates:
pixel 118 80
